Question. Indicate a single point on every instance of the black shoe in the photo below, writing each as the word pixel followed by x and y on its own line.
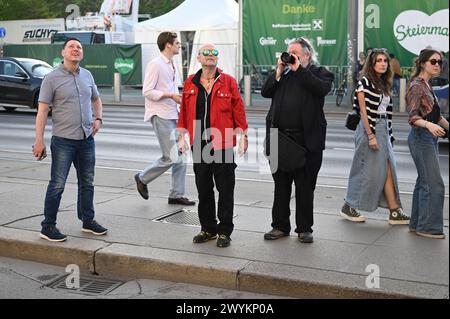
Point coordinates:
pixel 181 201
pixel 203 237
pixel 223 241
pixel 94 228
pixel 52 233
pixel 305 237
pixel 141 187
pixel 351 214
pixel 275 234
pixel 397 217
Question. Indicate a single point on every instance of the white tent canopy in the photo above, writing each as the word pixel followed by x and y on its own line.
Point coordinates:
pixel 213 21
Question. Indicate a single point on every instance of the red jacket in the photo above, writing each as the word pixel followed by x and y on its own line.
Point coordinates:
pixel 227 111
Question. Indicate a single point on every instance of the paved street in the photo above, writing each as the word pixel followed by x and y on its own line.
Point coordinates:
pixel 143 244
pixel 31 280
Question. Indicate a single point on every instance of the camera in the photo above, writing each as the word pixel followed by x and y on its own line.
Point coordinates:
pixel 287 58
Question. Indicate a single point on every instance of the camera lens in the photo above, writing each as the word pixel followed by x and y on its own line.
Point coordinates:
pixel 287 58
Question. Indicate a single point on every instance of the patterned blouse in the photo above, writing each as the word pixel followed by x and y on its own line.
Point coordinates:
pixel 419 100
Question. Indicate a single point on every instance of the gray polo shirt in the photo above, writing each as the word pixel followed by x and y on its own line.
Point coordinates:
pixel 70 96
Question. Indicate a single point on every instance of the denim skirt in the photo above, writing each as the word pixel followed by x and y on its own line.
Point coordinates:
pixel 368 173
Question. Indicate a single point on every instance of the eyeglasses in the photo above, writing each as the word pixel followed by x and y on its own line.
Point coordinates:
pixel 434 61
pixel 207 52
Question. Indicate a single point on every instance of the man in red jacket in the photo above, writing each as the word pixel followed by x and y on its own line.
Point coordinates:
pixel 213 114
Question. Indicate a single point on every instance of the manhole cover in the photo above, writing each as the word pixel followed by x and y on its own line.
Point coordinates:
pixel 88 285
pixel 182 216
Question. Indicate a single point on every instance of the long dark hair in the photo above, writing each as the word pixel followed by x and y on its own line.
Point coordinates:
pixel 382 83
pixel 423 57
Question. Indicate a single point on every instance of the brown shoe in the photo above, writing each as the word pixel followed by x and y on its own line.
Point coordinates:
pixel 181 201
pixel 141 187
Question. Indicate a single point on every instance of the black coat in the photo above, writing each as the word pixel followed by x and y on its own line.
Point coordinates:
pixel 297 102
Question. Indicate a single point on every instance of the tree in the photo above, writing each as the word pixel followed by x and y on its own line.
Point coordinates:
pixel 46 9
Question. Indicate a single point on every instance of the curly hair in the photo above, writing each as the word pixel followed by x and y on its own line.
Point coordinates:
pixel 382 83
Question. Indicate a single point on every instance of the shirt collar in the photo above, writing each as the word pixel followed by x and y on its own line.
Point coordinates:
pixel 165 59
pixel 62 68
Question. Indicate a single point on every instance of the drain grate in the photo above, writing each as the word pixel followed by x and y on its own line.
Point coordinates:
pixel 88 285
pixel 182 216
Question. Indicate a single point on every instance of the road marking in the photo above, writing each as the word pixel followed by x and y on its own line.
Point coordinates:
pixel 254 180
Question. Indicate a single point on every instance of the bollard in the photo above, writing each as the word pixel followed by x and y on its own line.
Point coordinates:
pixel 117 88
pixel 402 95
pixel 247 90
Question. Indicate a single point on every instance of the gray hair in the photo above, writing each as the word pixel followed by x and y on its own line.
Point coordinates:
pixel 307 47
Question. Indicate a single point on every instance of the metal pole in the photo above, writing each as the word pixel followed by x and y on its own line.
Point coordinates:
pixel 117 88
pixel 247 90
pixel 402 94
pixel 352 48
pixel 239 66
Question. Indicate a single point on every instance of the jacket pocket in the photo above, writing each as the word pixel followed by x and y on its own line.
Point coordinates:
pixel 189 93
pixel 224 100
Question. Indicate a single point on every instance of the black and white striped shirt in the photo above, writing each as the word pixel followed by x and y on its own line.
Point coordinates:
pixel 373 99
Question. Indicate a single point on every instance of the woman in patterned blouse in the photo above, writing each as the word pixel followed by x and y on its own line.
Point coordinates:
pixel 427 125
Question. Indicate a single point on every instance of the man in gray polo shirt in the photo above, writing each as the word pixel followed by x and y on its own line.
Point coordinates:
pixel 72 92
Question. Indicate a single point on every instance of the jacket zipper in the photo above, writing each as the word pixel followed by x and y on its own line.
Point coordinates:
pixel 206 108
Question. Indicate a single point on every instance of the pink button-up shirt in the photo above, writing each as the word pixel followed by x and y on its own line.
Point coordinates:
pixel 159 78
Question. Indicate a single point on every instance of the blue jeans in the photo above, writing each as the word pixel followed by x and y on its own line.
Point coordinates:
pixel 427 213
pixel 166 133
pixel 82 154
pixel 396 86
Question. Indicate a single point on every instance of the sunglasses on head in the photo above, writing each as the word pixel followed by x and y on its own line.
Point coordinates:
pixel 434 61
pixel 207 52
pixel 378 50
pixel 304 42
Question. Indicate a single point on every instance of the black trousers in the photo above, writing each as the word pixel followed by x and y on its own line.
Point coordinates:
pixel 222 174
pixel 305 180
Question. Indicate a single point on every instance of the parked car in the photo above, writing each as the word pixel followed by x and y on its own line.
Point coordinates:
pixel 20 82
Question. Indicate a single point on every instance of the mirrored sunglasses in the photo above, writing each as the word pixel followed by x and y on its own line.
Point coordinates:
pixel 207 52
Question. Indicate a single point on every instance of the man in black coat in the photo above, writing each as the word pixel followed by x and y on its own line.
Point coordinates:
pixel 298 89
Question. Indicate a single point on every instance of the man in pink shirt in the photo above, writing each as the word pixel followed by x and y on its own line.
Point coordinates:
pixel 161 98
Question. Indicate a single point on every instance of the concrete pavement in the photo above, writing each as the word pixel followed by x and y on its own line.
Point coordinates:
pixel 138 245
pixel 146 241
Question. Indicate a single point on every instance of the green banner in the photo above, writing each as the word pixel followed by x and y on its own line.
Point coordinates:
pixel 103 60
pixel 405 27
pixel 269 25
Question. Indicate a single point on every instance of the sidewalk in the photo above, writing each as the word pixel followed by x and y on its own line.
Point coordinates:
pixel 336 265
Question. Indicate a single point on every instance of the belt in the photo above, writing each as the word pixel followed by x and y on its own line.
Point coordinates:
pixel 382 116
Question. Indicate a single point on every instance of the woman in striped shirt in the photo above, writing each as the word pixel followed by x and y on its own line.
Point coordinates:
pixel 373 180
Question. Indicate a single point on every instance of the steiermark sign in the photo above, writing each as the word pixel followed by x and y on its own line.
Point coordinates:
pixel 405 27
pixel 124 66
